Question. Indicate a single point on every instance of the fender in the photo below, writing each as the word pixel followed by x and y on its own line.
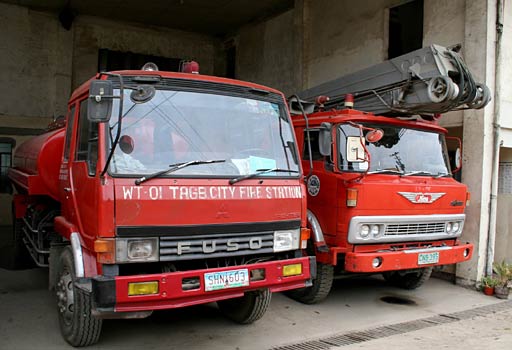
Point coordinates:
pixel 318 235
pixel 85 261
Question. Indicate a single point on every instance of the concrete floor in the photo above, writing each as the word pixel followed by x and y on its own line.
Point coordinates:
pixel 29 318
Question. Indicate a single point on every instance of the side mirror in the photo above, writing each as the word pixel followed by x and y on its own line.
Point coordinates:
pixel 325 139
pixel 454 145
pixel 99 105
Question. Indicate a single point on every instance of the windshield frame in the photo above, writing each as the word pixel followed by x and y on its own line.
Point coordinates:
pixel 212 88
pixel 340 154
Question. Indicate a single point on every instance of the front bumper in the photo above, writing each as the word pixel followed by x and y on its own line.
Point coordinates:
pixel 110 294
pixel 406 259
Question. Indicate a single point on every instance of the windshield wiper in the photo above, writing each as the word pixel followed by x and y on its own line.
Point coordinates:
pixel 173 167
pixel 259 172
pixel 442 175
pixel 418 172
pixel 382 171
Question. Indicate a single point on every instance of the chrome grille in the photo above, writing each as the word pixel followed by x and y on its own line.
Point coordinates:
pixel 415 228
pixel 175 248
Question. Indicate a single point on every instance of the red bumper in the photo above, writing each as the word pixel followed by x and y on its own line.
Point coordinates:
pixel 406 259
pixel 112 294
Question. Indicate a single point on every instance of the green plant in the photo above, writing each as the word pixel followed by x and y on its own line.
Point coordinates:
pixel 503 273
pixel 489 281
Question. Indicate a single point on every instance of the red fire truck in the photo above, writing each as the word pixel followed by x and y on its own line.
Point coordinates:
pixel 163 190
pixel 381 195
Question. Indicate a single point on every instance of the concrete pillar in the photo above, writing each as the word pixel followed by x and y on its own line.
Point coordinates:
pixel 479 54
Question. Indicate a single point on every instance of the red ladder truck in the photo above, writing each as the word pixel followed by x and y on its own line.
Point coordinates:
pixel 381 195
pixel 163 190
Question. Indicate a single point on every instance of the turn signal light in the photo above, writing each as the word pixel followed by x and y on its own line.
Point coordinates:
pixel 292 270
pixel 305 233
pixel 468 198
pixel 143 288
pixel 351 197
pixel 105 250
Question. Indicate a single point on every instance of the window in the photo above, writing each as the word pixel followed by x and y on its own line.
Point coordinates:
pixel 405 28
pixel 87 141
pixel 109 60
pixel 6 146
pixel 69 132
pixel 315 150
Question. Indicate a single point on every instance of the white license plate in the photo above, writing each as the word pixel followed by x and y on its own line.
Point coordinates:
pixel 226 279
pixel 428 258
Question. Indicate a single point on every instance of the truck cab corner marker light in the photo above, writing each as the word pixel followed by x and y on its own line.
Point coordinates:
pixel 351 197
pixel 468 198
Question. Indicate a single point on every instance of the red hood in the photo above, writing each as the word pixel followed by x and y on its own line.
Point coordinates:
pixel 412 195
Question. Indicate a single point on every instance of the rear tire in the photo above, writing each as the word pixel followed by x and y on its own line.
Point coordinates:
pixel 78 326
pixel 247 309
pixel 408 280
pixel 319 290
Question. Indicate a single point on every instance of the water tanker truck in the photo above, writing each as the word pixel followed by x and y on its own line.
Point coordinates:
pixel 162 190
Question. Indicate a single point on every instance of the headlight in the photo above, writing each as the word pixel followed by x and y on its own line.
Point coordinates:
pixel 375 230
pixel 136 249
pixel 449 227
pixel 286 240
pixel 455 227
pixel 364 231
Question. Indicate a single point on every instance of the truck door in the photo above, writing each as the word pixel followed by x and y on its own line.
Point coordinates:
pixel 82 175
pixel 65 187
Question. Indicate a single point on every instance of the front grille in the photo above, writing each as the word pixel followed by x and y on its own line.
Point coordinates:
pixel 415 229
pixel 175 248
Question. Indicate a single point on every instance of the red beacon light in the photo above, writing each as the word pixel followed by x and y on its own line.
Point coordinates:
pixel 190 67
pixel 349 101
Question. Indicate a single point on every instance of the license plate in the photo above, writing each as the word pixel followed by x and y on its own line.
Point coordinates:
pixel 428 258
pixel 226 279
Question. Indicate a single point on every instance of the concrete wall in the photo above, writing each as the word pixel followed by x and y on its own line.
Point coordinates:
pixel 504 219
pixel 42 63
pixel 92 34
pixel 267 53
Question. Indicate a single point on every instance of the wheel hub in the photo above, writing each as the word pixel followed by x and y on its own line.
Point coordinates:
pixel 65 297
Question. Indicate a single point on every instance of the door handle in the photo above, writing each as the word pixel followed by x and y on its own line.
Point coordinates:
pixel 67 189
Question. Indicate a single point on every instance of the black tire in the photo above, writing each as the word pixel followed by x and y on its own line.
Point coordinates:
pixel 319 290
pixel 77 325
pixel 247 309
pixel 407 279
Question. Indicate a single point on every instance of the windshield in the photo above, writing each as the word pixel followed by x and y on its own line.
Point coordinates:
pixel 175 127
pixel 400 151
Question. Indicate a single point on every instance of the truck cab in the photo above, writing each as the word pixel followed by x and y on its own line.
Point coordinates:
pixel 381 198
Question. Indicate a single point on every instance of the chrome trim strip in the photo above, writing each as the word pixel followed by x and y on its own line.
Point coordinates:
pixel 357 221
pixel 77 255
pixel 425 250
pixel 318 235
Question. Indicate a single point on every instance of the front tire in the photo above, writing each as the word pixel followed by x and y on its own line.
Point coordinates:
pixel 408 280
pixel 247 309
pixel 321 287
pixel 77 324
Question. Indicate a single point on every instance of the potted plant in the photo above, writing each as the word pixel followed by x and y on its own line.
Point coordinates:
pixel 503 273
pixel 488 283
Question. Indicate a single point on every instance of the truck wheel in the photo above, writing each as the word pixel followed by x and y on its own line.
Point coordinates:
pixel 78 326
pixel 247 309
pixel 319 290
pixel 408 280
